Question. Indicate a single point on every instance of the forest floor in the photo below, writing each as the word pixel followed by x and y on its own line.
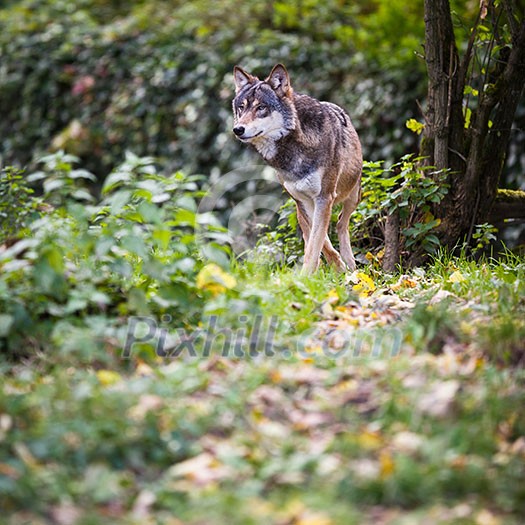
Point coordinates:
pixel 357 399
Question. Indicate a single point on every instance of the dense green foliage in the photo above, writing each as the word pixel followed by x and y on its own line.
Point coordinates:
pixel 99 78
pixel 137 251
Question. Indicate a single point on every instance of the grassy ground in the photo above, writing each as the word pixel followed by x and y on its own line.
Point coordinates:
pixel 357 399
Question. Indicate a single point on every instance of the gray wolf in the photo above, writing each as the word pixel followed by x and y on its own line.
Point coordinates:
pixel 316 153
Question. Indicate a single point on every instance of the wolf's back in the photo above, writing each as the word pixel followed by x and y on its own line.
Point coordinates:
pixel 330 130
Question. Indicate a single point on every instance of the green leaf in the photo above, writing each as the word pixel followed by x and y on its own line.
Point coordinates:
pixel 118 200
pixel 82 195
pixel 469 90
pixel 163 237
pixel 467 113
pixel 150 213
pixel 116 179
pixel 6 322
pixel 185 217
pixel 134 245
pixel 82 174
pixel 51 185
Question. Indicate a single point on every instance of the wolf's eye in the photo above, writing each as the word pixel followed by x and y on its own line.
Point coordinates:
pixel 261 108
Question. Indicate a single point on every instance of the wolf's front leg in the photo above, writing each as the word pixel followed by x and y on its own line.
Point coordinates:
pixel 318 233
pixel 331 254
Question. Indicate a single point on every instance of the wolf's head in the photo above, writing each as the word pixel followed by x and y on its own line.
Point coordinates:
pixel 263 110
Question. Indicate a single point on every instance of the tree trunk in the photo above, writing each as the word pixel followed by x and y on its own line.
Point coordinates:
pixel 474 156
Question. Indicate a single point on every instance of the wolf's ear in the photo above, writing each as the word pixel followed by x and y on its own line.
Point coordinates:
pixel 242 78
pixel 279 80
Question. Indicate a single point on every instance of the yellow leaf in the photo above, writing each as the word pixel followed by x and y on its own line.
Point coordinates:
pixel 257 415
pixel 403 282
pixel 387 464
pixel 276 376
pixel 333 296
pixel 415 126
pixel 214 279
pixel 365 286
pixel 428 217
pixel 456 277
pixel 108 377
pixel 345 386
pixel 410 283
pixel 309 352
pixel 369 440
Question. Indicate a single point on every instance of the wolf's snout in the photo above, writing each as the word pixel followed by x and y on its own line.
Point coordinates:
pixel 239 130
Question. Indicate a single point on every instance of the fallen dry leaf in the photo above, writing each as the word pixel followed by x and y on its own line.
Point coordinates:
pixel 456 277
pixel 407 442
pixel 307 420
pixel 65 514
pixel 202 470
pixel 403 282
pixel 366 469
pixel 439 296
pixel 439 401
pixel 485 517
pixel 146 403
pixel 143 503
pixel 364 285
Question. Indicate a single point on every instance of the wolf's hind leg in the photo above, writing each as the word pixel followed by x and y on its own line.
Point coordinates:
pixel 342 230
pixel 332 255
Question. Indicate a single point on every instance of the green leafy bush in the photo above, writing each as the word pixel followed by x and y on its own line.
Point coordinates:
pixel 17 203
pixel 135 252
pixel 407 188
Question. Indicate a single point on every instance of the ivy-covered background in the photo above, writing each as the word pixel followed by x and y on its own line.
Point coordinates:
pixel 98 78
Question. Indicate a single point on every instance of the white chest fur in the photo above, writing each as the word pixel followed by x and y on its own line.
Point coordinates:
pixel 266 147
pixel 307 187
pixel 271 129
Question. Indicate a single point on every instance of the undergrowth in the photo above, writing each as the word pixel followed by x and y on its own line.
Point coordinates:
pixel 148 377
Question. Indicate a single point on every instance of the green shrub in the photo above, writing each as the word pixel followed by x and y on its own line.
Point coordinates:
pixel 18 206
pixel 137 251
pixel 407 188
